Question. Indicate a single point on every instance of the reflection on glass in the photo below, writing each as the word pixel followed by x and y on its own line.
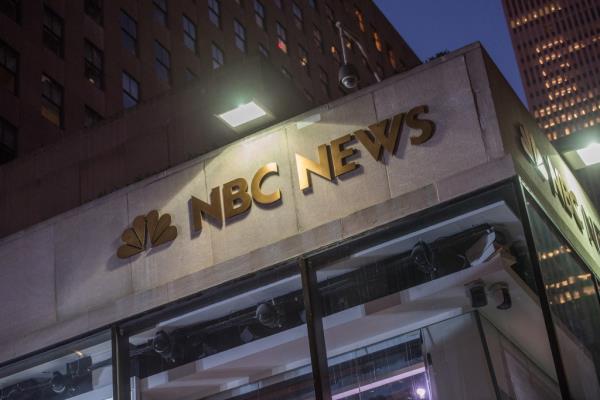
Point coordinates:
pixel 574 305
pixel 78 371
pixel 246 343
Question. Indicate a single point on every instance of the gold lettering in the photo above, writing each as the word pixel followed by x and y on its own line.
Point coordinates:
pixel 367 139
pixel 339 155
pixel 305 166
pixel 236 199
pixel 200 207
pixel 387 132
pixel 426 126
pixel 259 177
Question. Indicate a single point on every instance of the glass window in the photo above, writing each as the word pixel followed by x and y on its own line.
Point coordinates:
pixel 360 19
pixel 91 117
pixel 80 370
pixel 263 50
pixel 318 38
pixel 94 65
pixel 53 31
pixel 324 81
pixel 312 4
pixel 52 101
pixel 298 17
pixel 243 340
pixel 214 12
pixel 189 33
pixel 330 17
pixel 259 14
pixel 129 32
pixel 162 59
pixel 131 91
pixel 574 305
pixel 8 141
pixel 12 9
pixel 94 9
pixel 9 68
pixel 240 35
pixel 377 40
pixel 281 37
pixel 392 58
pixel 160 11
pixel 217 56
pixel 401 309
pixel 303 58
pixel 189 75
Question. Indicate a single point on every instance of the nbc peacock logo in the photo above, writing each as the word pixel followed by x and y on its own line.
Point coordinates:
pixel 151 228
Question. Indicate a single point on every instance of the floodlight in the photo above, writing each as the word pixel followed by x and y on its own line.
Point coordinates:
pixel 590 155
pixel 243 114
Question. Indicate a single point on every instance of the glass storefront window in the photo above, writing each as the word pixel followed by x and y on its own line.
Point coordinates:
pixel 574 305
pixel 246 340
pixel 397 309
pixel 80 371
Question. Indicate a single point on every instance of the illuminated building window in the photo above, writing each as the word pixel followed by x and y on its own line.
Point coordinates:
pixel 160 11
pixel 360 19
pixel 129 32
pixel 377 40
pixel 303 58
pixel 335 53
pixel 392 58
pixel 281 37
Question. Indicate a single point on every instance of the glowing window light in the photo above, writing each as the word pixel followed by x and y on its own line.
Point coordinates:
pixel 243 114
pixel 590 155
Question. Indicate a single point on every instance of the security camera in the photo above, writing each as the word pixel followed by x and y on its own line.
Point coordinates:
pixel 476 292
pixel 348 76
pixel 501 295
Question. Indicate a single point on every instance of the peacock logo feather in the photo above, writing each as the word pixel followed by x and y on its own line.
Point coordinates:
pixel 149 228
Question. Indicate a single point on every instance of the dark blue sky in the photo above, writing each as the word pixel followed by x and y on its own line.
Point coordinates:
pixel 430 26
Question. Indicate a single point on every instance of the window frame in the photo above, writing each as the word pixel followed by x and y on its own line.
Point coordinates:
pixel 217 56
pixel 127 22
pixel 239 33
pixel 5 52
pixel 188 38
pixel 60 93
pixel 214 12
pixel 8 153
pixel 95 10
pixel 127 92
pixel 160 12
pixel 162 61
pixel 281 34
pixel 53 40
pixel 260 15
pixel 91 66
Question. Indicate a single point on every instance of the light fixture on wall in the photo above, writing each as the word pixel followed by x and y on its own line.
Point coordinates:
pixel 590 155
pixel 243 114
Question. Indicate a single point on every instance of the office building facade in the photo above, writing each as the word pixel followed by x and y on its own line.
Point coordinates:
pixel 557 47
pixel 418 239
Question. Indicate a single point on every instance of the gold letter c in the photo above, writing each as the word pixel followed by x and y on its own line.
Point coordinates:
pixel 261 174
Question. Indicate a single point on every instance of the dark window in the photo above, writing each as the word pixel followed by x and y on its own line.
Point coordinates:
pixel 278 3
pixel 312 4
pixel 12 9
pixel 324 80
pixel 9 67
pixel 281 38
pixel 8 141
pixel 263 50
pixel 160 11
pixel 93 8
pixel 298 18
pixel 240 35
pixel 189 34
pixel 189 75
pixel 214 12
pixel 94 65
pixel 131 91
pixel 53 31
pixel 162 62
pixel 91 117
pixel 217 56
pixel 318 38
pixel 259 14
pixel 52 101
pixel 129 29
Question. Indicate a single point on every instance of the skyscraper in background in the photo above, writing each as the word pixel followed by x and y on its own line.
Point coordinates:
pixel 557 45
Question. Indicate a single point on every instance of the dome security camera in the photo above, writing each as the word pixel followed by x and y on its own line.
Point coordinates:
pixel 348 76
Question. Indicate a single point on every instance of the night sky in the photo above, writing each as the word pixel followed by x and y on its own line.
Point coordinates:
pixel 430 26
